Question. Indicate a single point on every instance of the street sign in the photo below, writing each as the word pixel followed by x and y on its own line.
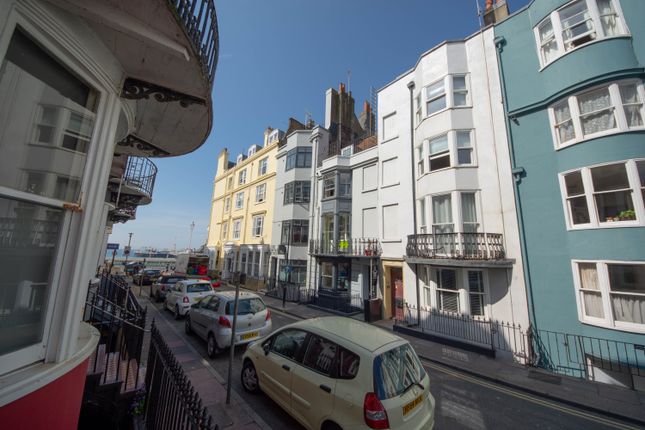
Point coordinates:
pixel 126 250
pixel 112 246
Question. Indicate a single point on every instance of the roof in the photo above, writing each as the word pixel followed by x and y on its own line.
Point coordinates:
pixel 353 331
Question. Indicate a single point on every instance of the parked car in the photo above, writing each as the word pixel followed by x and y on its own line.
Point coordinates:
pixel 186 293
pixel 163 284
pixel 146 276
pixel 340 373
pixel 212 320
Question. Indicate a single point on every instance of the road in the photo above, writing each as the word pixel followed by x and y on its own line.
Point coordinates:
pixel 462 401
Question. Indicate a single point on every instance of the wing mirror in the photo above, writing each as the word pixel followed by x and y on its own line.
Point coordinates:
pixel 266 347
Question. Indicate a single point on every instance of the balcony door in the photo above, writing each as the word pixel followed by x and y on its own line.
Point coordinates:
pixel 443 226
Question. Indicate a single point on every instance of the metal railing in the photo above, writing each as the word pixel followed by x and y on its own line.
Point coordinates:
pixel 172 402
pixel 338 301
pixel 357 247
pixel 471 246
pixel 199 19
pixel 140 174
pixel 291 292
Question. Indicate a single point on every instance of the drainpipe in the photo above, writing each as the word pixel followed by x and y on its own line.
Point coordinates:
pixel 414 198
pixel 517 172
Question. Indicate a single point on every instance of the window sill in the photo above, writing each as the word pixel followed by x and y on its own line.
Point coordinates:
pixel 617 326
pixel 621 36
pixel 391 241
pixel 390 185
pixel 604 225
pixel 463 166
pixel 389 139
pixel 598 135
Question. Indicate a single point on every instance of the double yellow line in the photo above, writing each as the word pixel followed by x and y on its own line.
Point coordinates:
pixel 530 398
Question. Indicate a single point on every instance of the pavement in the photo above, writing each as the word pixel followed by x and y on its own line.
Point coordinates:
pixel 610 400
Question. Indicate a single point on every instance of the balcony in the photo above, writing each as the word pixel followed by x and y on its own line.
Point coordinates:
pixel 357 247
pixel 139 176
pixel 478 247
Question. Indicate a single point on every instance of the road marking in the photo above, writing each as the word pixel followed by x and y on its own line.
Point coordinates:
pixel 530 398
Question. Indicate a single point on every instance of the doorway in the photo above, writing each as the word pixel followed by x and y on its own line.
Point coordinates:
pixel 396 291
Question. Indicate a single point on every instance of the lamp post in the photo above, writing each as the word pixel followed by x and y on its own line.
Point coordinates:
pixel 127 251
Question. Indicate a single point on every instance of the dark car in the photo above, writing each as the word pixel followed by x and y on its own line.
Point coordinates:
pixel 146 276
pixel 163 284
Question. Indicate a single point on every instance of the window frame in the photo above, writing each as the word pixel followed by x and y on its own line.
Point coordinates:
pixel 239 200
pixel 329 192
pixel 241 178
pixel 556 23
pixel 263 166
pixel 227 204
pixel 258 225
pixel 631 169
pixel 261 193
pixel 224 228
pixel 617 107
pixel 609 321
pixel 448 93
pixel 299 157
pixel 423 150
pixel 296 192
pixel 236 231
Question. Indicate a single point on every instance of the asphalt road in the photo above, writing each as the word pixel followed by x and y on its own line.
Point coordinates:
pixel 462 401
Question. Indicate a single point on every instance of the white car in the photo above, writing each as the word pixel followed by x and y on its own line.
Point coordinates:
pixel 335 373
pixel 212 320
pixel 186 293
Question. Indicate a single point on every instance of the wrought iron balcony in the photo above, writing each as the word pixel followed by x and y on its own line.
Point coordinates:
pixel 357 247
pixel 199 20
pixel 140 174
pixel 466 246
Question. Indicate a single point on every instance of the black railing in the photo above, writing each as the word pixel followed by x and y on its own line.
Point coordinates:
pixel 140 174
pixel 172 402
pixel 338 301
pixel 471 246
pixel 199 19
pixel 358 247
pixel 485 333
pixel 291 292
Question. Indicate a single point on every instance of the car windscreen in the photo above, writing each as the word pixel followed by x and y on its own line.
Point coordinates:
pixel 396 370
pixel 246 306
pixel 171 280
pixel 198 288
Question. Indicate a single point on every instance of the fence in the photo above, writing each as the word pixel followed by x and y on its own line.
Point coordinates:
pixel 293 292
pixel 472 246
pixel 172 402
pixel 343 302
pixel 356 247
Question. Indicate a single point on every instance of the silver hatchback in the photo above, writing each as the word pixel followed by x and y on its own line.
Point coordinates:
pixel 212 320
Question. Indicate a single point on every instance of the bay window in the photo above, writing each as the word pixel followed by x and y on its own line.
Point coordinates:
pixel 604 196
pixel 439 153
pixel 295 232
pixel 616 107
pixel 297 192
pixel 453 149
pixel 448 92
pixel 329 185
pixel 611 294
pixel 576 24
pixel 298 158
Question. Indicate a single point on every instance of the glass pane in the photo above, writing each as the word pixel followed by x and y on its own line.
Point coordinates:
pixel 32 81
pixel 463 139
pixel 627 278
pixel 634 115
pixel 566 131
pixel 28 240
pixel 440 162
pixel 608 18
pixel 442 209
pixel 434 89
pixel 546 30
pixel 574 19
pixel 395 370
pixel 629 94
pixel 438 145
pixel 588 276
pixel 460 99
pixel 628 308
pixel 594 101
pixel 612 177
pixel 468 209
pixel 320 355
pixel 476 282
pixel 448 279
pixel 459 82
pixel 579 210
pixel 436 105
pixel 464 156
pixel 593 304
pixel 640 165
pixel 573 182
pixel 562 112
pixel 616 206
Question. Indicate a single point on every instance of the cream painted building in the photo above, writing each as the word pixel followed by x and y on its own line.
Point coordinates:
pixel 239 235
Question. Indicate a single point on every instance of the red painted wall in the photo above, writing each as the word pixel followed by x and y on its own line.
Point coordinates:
pixel 52 407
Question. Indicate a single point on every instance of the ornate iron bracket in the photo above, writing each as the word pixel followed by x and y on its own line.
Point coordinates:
pixel 134 142
pixel 135 89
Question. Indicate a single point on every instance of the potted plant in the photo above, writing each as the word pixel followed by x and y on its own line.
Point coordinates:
pixel 627 215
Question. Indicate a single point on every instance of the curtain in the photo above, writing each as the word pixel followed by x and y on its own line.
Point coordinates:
pixel 608 18
pixel 628 308
pixel 592 300
pixel 549 45
pixel 468 208
pixel 632 104
pixel 564 122
pixel 438 145
pixel 442 209
pixel 596 112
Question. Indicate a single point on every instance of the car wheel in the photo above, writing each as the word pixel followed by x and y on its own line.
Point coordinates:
pixel 177 314
pixel 187 327
pixel 249 377
pixel 211 346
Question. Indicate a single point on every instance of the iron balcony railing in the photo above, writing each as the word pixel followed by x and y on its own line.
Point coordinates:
pixel 470 246
pixel 199 19
pixel 357 247
pixel 140 174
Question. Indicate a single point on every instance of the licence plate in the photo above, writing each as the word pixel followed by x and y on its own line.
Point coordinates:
pixel 413 404
pixel 251 335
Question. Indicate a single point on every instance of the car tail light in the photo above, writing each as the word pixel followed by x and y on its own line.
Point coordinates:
pixel 186 300
pixel 268 317
pixel 374 412
pixel 224 322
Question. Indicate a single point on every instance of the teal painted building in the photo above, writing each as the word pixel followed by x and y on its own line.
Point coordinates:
pixel 572 74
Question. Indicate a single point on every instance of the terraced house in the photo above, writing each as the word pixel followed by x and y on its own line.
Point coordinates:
pixel 573 74
pixel 90 90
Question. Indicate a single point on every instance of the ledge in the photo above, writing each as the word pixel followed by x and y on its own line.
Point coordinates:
pixel 506 263
pixel 25 381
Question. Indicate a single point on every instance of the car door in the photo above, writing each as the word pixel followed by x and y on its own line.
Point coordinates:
pixel 275 371
pixel 171 297
pixel 313 384
pixel 210 316
pixel 197 317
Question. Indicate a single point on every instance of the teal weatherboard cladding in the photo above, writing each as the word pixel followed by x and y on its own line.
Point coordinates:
pixel 530 89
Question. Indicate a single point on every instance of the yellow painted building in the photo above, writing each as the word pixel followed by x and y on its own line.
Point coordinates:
pixel 239 235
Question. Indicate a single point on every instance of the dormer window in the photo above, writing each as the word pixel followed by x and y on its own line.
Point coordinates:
pixel 576 24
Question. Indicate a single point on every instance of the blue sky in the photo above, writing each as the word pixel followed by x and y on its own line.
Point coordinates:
pixel 277 58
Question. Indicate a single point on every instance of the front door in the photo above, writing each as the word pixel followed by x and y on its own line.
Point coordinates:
pixel 396 283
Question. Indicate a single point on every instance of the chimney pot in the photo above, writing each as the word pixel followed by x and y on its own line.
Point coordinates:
pixel 342 88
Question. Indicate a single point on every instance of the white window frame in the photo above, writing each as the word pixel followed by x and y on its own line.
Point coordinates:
pixel 603 280
pixel 594 222
pixel 239 200
pixel 224 230
pixel 448 93
pixel 258 225
pixel 227 204
pixel 260 193
pixel 431 290
pixel 263 166
pixel 237 229
pixel 617 106
pixel 592 7
pixel 241 177
pixel 453 151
